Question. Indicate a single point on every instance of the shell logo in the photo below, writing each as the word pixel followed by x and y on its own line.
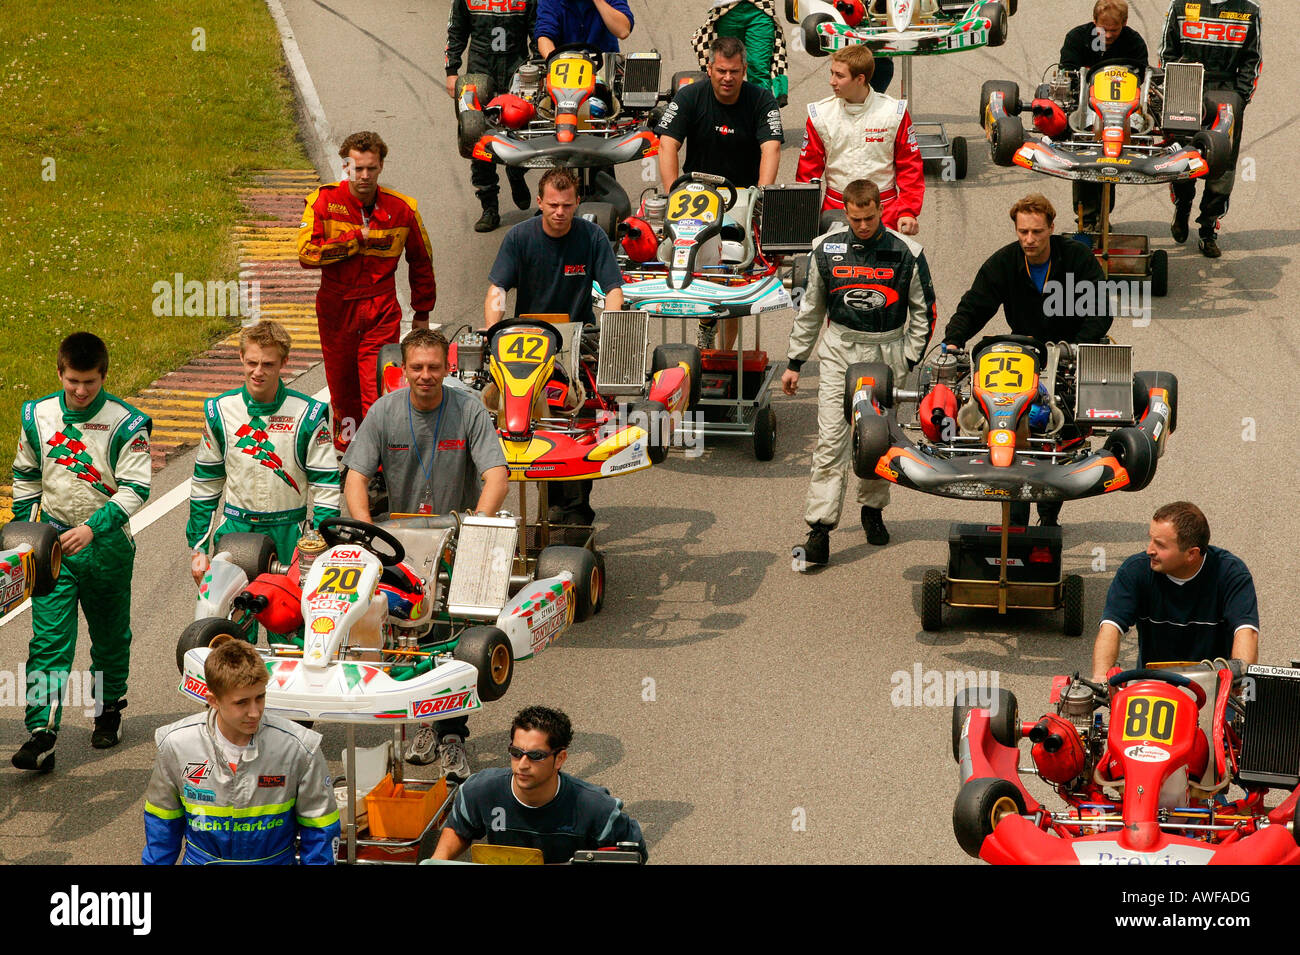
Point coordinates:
pixel 1002 437
pixel 322 625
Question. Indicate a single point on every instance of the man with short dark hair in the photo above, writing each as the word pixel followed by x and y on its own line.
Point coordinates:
pixel 534 805
pixel 1190 601
pixel 355 232
pixel 84 463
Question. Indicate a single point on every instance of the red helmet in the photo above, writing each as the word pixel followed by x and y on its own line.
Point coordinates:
pixel 853 11
pixel 514 111
pixel 639 240
pixel 939 399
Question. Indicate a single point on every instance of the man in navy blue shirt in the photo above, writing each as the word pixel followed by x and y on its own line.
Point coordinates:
pixel 534 805
pixel 599 23
pixel 1190 601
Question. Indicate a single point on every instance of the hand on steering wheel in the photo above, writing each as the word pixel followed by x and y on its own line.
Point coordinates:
pixel 716 182
pixel 1164 676
pixel 346 530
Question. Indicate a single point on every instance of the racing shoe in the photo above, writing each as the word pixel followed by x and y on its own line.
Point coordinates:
pixel 455 762
pixel 1179 228
pixel 37 753
pixel 874 525
pixel 519 193
pixel 816 551
pixel 108 726
pixel 489 220
pixel 423 750
pixel 1209 246
pixel 707 334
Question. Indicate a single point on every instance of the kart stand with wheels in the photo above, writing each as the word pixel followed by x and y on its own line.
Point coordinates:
pixel 1125 256
pixel 1027 577
pixel 932 138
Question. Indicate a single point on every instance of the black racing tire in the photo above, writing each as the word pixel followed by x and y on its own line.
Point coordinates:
pixel 1072 603
pixel 980 806
pixel 799 267
pixel 1135 452
pixel 251 553
pixel 602 214
pixel 652 416
pixel 1159 265
pixel 996 11
pixel 1004 713
pixel 1010 97
pixel 598 602
pixel 871 439
pixel 1216 149
pixel 765 432
pixel 792 11
pixel 1144 381
pixel 588 576
pixel 959 158
pixel 390 354
pixel 812 41
pixel 201 633
pixel 470 128
pixel 487 650
pixel 1013 6
pixel 932 604
pixel 47 552
pixel 883 390
pixel 683 78
pixel 1008 137
pixel 670 355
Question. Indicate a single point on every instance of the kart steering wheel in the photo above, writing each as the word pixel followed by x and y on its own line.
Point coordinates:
pixel 346 530
pixel 717 182
pixel 596 57
pixel 1165 676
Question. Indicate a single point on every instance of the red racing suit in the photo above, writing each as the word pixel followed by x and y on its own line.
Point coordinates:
pixel 356 307
pixel 871 140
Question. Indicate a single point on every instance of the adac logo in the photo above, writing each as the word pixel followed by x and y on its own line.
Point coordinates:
pixel 339 208
pixel 253 441
pixel 67 449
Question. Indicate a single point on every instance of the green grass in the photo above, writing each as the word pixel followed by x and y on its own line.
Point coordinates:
pixel 150 140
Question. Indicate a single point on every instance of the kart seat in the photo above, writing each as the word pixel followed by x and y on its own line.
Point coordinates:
pixel 738 229
pixel 568 357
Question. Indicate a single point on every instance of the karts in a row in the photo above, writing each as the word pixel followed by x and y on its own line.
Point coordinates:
pixel 900 27
pixel 1143 763
pixel 30 558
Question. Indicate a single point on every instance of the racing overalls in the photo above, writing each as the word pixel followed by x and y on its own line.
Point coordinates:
pixel 754 23
pixel 872 140
pixel 499 34
pixel 878 302
pixel 265 456
pixel 1224 35
pixel 89 467
pixel 250 814
pixel 356 307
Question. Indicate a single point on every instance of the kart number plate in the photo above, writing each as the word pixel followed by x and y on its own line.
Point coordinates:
pixel 570 73
pixel 1149 718
pixel 1004 373
pixel 1114 86
pixel 339 580
pixel 697 202
pixel 523 347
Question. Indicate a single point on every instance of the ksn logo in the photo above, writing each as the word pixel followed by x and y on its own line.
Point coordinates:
pixel 441 704
pixel 346 554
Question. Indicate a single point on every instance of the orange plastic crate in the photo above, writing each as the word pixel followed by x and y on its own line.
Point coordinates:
pixel 402 812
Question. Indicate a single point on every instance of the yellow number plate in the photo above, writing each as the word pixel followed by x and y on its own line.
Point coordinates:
pixel 522 346
pixel 1006 373
pixel 1149 718
pixel 699 203
pixel 1114 86
pixel 570 73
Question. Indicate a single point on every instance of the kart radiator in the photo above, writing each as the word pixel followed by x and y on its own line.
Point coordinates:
pixel 641 80
pixel 621 366
pixel 480 579
pixel 1270 751
pixel 1104 385
pixel 1183 97
pixel 791 217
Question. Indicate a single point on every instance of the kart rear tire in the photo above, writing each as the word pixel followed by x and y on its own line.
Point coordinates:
pixel 932 607
pixel 792 11
pixel 996 11
pixel 1159 273
pixel 487 650
pixel 598 603
pixel 799 266
pixel 652 417
pixel 201 633
pixel 980 806
pixel 47 552
pixel 588 576
pixel 1010 97
pixel 251 553
pixel 1072 603
pixel 1008 137
pixel 765 432
pixel 871 439
pixel 1144 381
pixel 959 158
pixel 812 41
pixel 390 354
pixel 883 390
pixel 669 356
pixel 1012 7
pixel 1135 452
pixel 1004 713
pixel 1216 149
pixel 683 78
pixel 602 214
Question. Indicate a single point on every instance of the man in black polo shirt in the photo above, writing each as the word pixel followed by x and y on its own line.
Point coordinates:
pixel 534 805
pixel 1190 601
pixel 731 128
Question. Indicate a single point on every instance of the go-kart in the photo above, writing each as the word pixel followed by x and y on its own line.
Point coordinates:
pixel 421 617
pixel 579 108
pixel 1143 763
pixel 900 27
pixel 30 558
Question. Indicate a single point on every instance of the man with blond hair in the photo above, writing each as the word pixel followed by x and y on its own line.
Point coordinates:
pixel 266 447
pixel 355 233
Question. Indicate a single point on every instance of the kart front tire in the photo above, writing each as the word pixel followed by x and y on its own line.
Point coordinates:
pixel 671 355
pixel 652 417
pixel 792 11
pixel 588 576
pixel 251 553
pixel 1135 452
pixel 389 356
pixel 487 650
pixel 883 389
pixel 1008 137
pixel 1144 381
pixel 1159 273
pixel 812 41
pixel 997 14
pixel 932 610
pixel 1072 603
pixel 981 805
pixel 765 432
pixel 201 633
pixel 47 552
pixel 1010 97
pixel 1004 713
pixel 959 158
pixel 870 441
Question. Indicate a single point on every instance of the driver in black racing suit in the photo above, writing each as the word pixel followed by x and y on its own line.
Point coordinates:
pixel 500 37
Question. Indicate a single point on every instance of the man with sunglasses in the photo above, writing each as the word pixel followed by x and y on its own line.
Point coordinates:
pixel 534 805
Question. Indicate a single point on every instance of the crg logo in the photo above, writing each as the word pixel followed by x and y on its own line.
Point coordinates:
pixel 860 272
pixel 1214 30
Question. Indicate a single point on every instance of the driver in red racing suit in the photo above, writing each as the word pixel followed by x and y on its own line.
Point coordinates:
pixel 354 232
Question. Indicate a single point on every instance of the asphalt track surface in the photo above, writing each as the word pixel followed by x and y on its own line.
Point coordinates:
pixel 773 691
